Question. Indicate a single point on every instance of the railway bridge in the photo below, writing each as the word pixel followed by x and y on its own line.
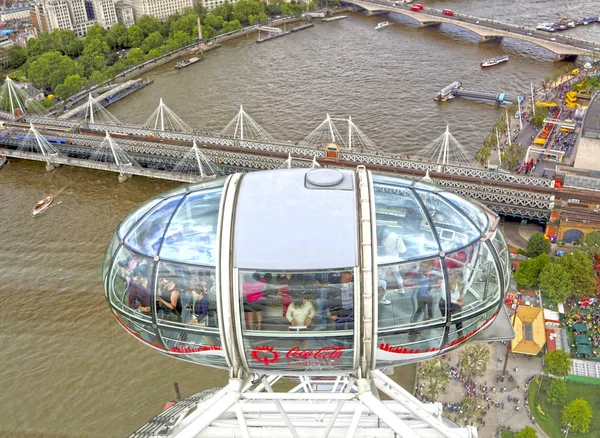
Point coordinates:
pixel 562 46
pixel 197 156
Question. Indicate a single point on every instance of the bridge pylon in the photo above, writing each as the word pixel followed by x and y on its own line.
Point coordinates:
pixel 446 150
pixel 17 101
pixel 93 112
pixel 351 138
pixel 196 163
pixel 243 127
pixel 36 143
pixel 113 156
pixel 164 119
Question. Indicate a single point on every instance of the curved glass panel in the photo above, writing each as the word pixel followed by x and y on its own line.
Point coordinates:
pixel 142 329
pixel 483 282
pixel 410 294
pixel 185 296
pixel 453 229
pixel 502 250
pixel 402 229
pixel 136 215
pixel 401 348
pixel 149 234
pixel 192 233
pixel 129 283
pixel 298 320
pixel 108 255
pixel 466 328
pixel 469 209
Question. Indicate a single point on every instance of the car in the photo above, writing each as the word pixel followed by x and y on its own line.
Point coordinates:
pixel 552 39
pixel 559 253
pixel 529 33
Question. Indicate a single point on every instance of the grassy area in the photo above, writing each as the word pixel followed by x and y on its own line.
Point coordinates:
pixel 551 421
pixel 507 434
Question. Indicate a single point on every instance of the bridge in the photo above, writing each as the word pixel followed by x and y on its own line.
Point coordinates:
pixel 563 47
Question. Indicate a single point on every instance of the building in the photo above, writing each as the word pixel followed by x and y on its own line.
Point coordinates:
pixel 124 13
pixel 104 13
pixel 5 43
pixel 38 15
pixel 161 9
pixel 587 146
pixel 14 14
pixel 530 332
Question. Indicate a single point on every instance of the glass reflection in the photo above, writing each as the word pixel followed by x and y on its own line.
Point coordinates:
pixel 148 235
pixel 194 229
pixel 135 216
pixel 469 209
pixel 402 229
pixel 453 229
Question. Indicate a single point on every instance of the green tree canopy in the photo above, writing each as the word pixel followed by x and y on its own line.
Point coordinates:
pixel 95 32
pixel 135 36
pixel 579 265
pixel 71 85
pixel 593 239
pixel 557 392
pixel 578 414
pixel 51 69
pixel 214 21
pixel 537 119
pixel 40 45
pixel 513 155
pixel 154 40
pixel 96 47
pixel 435 378
pixel 556 283
pixel 483 154
pixel 117 37
pixel 473 359
pixel 526 432
pixel 538 244
pixel 186 24
pixel 18 56
pixel 230 26
pixel 148 24
pixel 65 41
pixel 557 363
pixel 528 274
pixel 136 56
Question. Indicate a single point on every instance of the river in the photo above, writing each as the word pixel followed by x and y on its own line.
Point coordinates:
pixel 68 369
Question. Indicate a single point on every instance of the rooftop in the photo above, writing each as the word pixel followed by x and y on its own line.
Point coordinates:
pixel 530 333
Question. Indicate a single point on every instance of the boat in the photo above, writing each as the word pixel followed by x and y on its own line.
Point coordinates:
pixel 42 205
pixel 494 61
pixel 187 62
pixel 382 25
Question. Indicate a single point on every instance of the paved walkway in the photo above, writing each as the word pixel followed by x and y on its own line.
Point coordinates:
pixel 506 417
pixel 517 235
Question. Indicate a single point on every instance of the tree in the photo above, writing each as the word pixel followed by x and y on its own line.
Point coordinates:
pixel 528 274
pixel 95 32
pixel 578 414
pixel 136 56
pixel 513 155
pixel 18 56
pixel 186 24
pixel 538 244
pixel 117 37
pixel 230 26
pixel 97 47
pixel 135 36
pixel 40 45
pixel 51 69
pixel 593 239
pixel 180 39
pixel 557 363
pixel 557 392
pixel 526 432
pixel 71 85
pixel 579 265
pixel 153 41
pixel 473 359
pixel 483 154
pixel 66 41
pixel 537 119
pixel 556 283
pixel 434 376
pixel 148 24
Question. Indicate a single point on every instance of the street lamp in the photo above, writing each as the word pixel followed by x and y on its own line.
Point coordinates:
pixel 542 378
pixel 568 428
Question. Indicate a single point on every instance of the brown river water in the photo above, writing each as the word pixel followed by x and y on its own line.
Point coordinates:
pixel 67 369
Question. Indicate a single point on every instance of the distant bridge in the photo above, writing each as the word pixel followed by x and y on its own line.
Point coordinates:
pixel 488 30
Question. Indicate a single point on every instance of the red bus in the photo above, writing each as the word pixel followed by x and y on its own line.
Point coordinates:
pixel 418 6
pixel 447 12
pixel 415 9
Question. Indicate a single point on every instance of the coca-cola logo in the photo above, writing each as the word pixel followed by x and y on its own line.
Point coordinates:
pixel 265 355
pixel 323 353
